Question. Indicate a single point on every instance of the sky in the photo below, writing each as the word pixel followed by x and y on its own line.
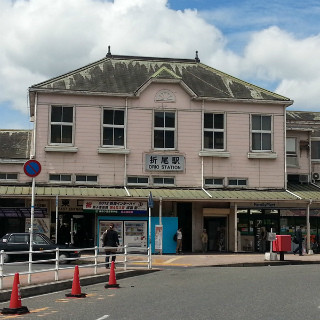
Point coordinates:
pixel 274 44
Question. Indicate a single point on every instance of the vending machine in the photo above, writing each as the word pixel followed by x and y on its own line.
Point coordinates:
pixel 135 234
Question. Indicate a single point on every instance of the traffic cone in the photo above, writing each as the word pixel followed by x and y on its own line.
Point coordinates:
pixel 15 301
pixel 76 289
pixel 112 279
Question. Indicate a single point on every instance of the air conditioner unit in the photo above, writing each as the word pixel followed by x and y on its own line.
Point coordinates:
pixel 304 178
pixel 315 176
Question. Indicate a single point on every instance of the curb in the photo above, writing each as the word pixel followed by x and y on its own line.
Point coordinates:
pixel 35 290
pixel 266 263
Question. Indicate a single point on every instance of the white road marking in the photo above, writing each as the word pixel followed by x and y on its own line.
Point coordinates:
pixel 104 317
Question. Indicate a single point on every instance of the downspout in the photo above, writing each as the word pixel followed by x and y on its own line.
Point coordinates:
pixel 310 162
pixel 125 156
pixel 285 148
pixel 293 194
pixel 202 167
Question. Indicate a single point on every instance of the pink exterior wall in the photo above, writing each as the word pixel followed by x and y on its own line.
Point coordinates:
pixel 303 155
pixel 111 168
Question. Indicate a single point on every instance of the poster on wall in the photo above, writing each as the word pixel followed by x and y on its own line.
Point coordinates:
pixel 104 225
pixel 135 233
pixel 158 237
pixel 41 225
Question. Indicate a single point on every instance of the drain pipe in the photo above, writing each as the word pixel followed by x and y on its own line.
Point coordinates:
pixel 202 167
pixel 125 156
pixel 293 194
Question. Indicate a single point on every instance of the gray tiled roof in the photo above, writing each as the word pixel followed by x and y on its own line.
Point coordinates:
pixel 125 75
pixel 305 192
pixel 15 144
pixel 304 120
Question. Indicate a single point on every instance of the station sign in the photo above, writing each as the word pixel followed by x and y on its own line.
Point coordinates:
pixel 157 162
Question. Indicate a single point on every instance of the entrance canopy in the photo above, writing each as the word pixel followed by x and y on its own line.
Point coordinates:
pixel 295 192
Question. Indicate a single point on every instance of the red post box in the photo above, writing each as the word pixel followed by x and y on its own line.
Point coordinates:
pixel 282 244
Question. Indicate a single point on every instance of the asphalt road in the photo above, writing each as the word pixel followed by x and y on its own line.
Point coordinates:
pixel 252 293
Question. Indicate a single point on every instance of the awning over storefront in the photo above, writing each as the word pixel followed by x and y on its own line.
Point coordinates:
pixel 22 212
pixel 303 191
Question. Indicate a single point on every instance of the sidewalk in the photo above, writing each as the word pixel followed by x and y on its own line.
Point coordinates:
pixel 44 282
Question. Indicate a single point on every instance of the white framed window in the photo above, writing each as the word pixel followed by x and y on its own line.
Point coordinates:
pixel 61 125
pixel 291 151
pixel 86 179
pixel 232 182
pixel 214 182
pixel 164 134
pixel 8 176
pixel 60 178
pixel 261 132
pixel 163 181
pixel 113 131
pixel 315 150
pixel 214 131
pixel 138 180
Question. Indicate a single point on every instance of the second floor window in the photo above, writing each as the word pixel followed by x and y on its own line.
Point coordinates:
pixel 113 128
pixel 315 150
pixel 213 131
pixel 261 130
pixel 291 151
pixel 61 124
pixel 164 130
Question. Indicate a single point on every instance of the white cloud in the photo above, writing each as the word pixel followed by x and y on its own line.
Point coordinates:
pixel 44 38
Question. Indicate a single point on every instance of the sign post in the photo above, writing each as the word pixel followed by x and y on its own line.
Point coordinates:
pixel 150 205
pixel 31 168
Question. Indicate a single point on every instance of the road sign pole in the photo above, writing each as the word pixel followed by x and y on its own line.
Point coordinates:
pixel 31 168
pixel 31 228
pixel 150 205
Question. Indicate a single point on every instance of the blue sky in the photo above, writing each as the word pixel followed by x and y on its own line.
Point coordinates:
pixel 274 44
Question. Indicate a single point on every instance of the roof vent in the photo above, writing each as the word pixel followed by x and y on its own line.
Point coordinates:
pixel 197 58
pixel 109 52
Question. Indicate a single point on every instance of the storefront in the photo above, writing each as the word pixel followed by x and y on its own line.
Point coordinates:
pixel 253 223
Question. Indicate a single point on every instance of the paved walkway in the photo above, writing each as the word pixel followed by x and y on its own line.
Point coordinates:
pixel 46 279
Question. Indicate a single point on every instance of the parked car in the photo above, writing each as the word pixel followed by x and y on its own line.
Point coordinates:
pixel 21 242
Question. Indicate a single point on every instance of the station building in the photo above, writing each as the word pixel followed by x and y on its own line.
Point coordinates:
pixel 214 152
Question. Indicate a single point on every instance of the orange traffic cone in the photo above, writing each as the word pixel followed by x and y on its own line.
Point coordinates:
pixel 76 289
pixel 15 301
pixel 112 279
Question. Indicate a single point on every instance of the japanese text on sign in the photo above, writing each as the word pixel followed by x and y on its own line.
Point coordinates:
pixel 114 206
pixel 164 162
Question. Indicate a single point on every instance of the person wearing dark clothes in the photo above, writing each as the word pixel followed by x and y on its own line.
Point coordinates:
pixel 110 239
pixel 299 239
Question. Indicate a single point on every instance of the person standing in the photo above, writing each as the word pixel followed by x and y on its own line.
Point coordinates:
pixel 299 239
pixel 263 239
pixel 179 241
pixel 204 241
pixel 110 239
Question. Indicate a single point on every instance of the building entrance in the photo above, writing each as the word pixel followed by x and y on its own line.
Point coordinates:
pixel 217 233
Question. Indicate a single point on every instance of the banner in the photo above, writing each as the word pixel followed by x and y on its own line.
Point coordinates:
pixel 116 207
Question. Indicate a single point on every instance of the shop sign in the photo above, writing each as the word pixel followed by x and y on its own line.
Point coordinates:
pixel 156 162
pixel 69 205
pixel 264 205
pixel 116 207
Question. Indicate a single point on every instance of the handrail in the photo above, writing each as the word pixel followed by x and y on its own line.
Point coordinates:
pixel 128 254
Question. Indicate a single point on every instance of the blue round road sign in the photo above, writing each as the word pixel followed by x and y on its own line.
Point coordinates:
pixel 32 168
